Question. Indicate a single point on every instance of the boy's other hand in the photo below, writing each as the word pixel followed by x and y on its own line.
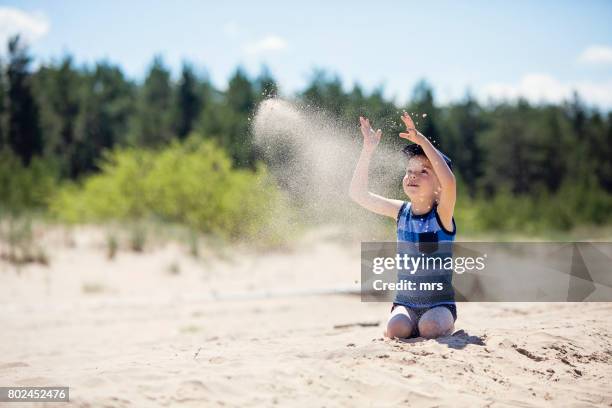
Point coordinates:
pixel 411 133
pixel 370 137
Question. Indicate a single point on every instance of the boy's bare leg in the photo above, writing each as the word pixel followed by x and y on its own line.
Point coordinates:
pixel 402 322
pixel 436 322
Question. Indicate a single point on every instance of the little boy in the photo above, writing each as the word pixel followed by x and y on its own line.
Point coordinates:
pixel 428 217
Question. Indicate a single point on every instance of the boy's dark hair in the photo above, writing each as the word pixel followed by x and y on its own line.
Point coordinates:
pixel 415 150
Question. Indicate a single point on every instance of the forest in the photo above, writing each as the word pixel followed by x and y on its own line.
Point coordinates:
pixel 85 143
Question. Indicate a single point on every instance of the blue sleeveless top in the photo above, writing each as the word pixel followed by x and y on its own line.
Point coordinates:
pixel 424 239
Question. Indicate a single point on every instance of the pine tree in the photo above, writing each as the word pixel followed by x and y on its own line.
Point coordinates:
pixel 57 92
pixel 189 102
pixel 24 135
pixel 266 85
pixel 153 122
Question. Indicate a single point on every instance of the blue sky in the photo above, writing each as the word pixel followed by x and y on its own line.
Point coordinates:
pixel 540 50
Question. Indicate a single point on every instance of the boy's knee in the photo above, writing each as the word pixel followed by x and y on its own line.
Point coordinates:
pixel 399 326
pixel 436 322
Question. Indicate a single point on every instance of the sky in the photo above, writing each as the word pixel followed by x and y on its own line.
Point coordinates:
pixel 539 50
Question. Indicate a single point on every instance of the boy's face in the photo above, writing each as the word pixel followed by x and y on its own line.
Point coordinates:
pixel 420 182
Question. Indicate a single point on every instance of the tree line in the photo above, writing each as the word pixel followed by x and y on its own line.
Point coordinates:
pixel 65 116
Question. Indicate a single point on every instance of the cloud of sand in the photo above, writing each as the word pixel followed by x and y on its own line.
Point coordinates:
pixel 312 156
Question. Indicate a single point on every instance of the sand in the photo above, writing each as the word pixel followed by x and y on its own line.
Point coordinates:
pixel 162 328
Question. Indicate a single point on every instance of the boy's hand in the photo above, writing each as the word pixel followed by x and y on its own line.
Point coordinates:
pixel 412 134
pixel 370 137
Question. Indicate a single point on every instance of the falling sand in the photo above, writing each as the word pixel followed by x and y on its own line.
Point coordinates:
pixel 312 156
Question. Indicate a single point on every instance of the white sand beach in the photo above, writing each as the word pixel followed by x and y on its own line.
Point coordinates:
pixel 162 328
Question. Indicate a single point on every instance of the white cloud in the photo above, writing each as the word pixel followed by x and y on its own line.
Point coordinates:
pixel 596 55
pixel 267 44
pixel 31 26
pixel 538 88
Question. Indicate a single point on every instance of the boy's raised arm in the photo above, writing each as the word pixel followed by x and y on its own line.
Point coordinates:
pixel 359 184
pixel 448 193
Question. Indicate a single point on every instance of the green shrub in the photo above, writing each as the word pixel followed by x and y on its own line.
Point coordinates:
pixel 192 183
pixel 572 206
pixel 24 187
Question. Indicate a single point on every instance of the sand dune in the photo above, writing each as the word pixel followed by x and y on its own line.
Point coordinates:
pixel 136 332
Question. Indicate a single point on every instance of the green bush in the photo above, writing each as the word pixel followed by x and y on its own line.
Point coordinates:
pixel 572 206
pixel 192 183
pixel 24 187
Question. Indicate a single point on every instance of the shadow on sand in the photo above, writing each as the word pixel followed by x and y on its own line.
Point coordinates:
pixel 458 340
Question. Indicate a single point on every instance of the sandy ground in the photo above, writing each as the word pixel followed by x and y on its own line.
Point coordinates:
pixel 165 329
